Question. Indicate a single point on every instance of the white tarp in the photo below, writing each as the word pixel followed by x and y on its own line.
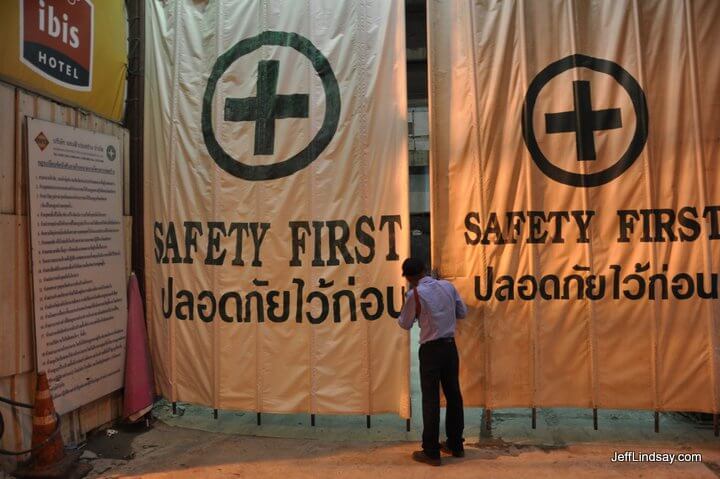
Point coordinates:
pixel 277 204
pixel 575 198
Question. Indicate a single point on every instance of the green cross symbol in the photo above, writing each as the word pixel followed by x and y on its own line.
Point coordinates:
pixel 266 107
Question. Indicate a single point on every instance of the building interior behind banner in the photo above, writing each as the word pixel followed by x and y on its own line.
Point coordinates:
pixel 418 131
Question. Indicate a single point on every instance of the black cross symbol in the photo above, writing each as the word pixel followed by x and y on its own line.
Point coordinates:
pixel 266 107
pixel 584 121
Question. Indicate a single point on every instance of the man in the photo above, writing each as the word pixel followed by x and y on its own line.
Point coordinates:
pixel 436 305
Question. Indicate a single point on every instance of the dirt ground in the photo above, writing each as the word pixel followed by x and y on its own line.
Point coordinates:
pixel 558 450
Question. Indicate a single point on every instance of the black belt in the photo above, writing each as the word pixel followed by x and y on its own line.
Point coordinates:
pixel 441 340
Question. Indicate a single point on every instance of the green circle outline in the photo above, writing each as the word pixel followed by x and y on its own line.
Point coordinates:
pixel 637 97
pixel 321 139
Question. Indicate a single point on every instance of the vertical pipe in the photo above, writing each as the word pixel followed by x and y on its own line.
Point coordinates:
pixel 134 112
pixel 595 419
pixel 657 422
pixel 534 418
pixel 697 101
pixel 533 253
pixel 648 182
pixel 213 195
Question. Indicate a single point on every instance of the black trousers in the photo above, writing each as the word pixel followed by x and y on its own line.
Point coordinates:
pixel 439 365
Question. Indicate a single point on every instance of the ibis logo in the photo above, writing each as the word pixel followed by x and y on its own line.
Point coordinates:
pixel 56 40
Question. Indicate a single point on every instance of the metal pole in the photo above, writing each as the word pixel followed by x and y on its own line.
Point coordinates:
pixel 595 420
pixel 134 114
pixel 657 422
pixel 534 418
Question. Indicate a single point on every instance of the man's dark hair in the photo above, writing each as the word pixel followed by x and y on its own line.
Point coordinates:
pixel 412 268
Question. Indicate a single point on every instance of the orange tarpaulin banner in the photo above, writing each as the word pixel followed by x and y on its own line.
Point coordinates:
pixel 277 204
pixel 576 199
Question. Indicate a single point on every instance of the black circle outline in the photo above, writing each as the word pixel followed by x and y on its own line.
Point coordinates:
pixel 637 96
pixel 319 142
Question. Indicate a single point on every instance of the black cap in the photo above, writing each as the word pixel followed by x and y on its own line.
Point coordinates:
pixel 412 267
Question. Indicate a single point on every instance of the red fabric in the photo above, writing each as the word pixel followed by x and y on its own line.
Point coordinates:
pixel 139 385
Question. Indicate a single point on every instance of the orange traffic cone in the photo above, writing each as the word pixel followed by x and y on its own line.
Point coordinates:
pixel 45 432
pixel 48 458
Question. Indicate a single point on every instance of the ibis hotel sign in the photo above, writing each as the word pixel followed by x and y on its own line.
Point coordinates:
pixel 53 49
pixel 57 41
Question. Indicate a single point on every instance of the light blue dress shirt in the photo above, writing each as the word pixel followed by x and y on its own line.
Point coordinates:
pixel 440 306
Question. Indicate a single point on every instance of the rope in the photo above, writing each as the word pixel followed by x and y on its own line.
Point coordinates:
pixel 45 441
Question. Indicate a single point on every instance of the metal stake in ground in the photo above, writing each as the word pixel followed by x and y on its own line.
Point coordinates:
pixel 595 419
pixel 534 418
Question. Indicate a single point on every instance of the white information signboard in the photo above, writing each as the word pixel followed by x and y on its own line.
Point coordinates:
pixel 79 283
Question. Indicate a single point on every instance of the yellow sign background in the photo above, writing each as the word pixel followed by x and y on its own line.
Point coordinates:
pixel 107 94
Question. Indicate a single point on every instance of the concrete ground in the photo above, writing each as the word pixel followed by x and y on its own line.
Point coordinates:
pixel 192 444
pixel 563 446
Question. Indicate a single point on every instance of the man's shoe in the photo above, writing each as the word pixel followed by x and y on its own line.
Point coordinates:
pixel 455 452
pixel 420 456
